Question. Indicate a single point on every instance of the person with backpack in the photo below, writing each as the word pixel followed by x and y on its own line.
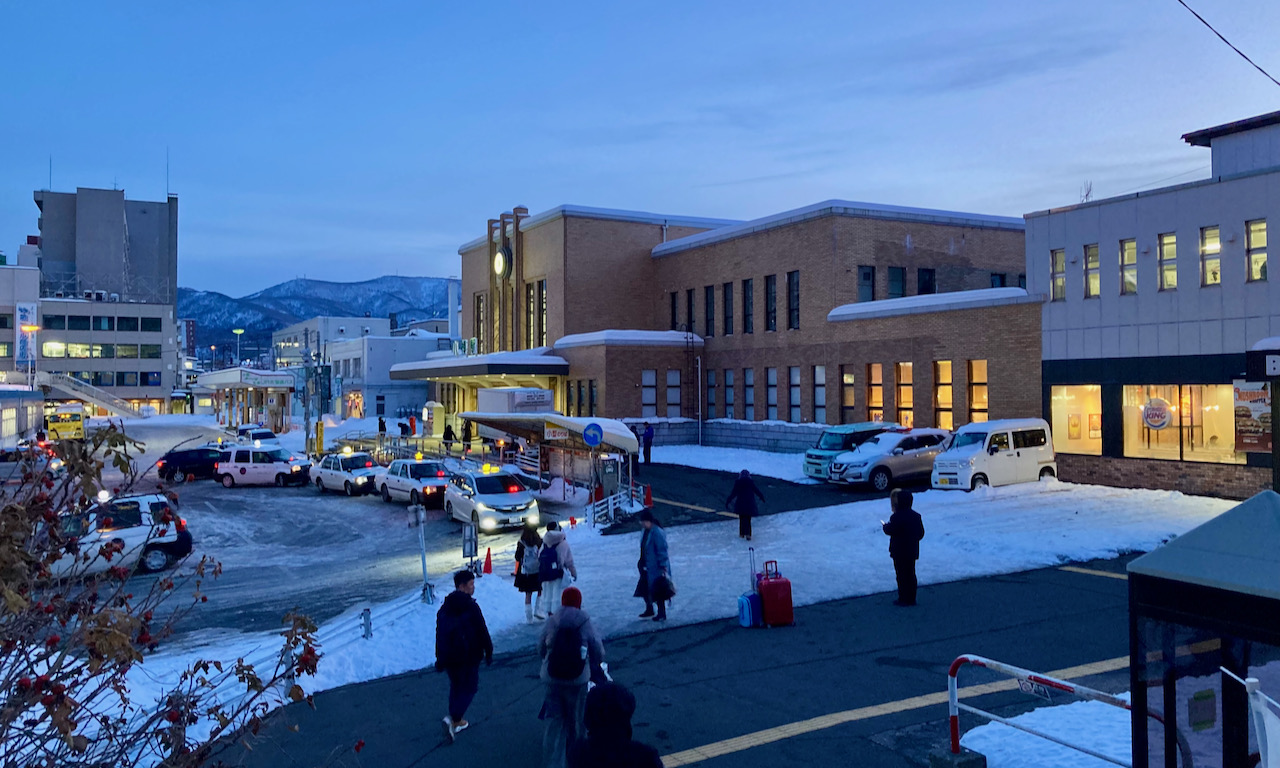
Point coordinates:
pixel 608 744
pixel 655 567
pixel 742 500
pixel 528 576
pixel 572 654
pixel 462 642
pixel 555 569
pixel 905 529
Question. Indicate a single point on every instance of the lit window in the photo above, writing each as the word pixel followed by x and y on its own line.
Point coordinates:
pixel 979 403
pixel 1128 267
pixel 848 392
pixel 1190 422
pixel 875 392
pixel 942 395
pixel 1058 274
pixel 1092 278
pixel 1076 419
pixel 1255 248
pixel 53 349
pixel 1168 262
pixel 1210 256
pixel 906 398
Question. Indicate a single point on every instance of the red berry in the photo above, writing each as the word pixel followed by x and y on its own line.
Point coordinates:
pixel 204 598
pixel 24 684
pixel 57 689
pixel 42 682
pixel 49 609
pixel 52 640
pixel 144 638
pixel 146 616
pixel 360 745
pixel 48 699
pixel 172 716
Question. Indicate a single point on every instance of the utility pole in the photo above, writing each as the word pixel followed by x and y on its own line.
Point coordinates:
pixel 306 383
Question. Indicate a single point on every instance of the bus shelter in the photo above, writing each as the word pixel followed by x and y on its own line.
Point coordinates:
pixel 246 396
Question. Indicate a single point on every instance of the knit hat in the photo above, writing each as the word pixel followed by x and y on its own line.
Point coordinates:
pixel 571 598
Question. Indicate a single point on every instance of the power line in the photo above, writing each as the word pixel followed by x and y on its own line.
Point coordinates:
pixel 1228 42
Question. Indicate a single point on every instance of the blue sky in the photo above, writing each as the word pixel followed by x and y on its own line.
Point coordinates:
pixel 344 141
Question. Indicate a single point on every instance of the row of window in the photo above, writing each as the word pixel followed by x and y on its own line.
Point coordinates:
pixel 58 349
pixel 535 315
pixel 873 394
pixel 100 323
pixel 351 368
pixel 581 398
pixel 117 378
pixel 1255 252
pixel 748 306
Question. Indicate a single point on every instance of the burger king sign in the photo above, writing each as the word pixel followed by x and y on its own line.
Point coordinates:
pixel 1156 414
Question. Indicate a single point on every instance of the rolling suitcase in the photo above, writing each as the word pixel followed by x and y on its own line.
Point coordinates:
pixel 749 614
pixel 775 597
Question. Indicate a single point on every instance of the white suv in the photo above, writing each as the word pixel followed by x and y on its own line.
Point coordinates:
pixel 490 500
pixel 244 465
pixel 351 472
pixel 146 532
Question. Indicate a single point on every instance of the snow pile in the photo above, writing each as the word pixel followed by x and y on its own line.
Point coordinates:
pixel 336 429
pixel 1092 724
pixel 783 466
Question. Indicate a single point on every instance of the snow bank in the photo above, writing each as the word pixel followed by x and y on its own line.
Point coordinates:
pixel 783 466
pixel 1100 727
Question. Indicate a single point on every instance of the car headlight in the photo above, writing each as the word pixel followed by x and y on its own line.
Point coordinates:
pixel 482 507
pixel 488 524
pixel 296 469
pixel 972 459
pixel 837 467
pixel 858 464
pixel 531 518
pixel 55 464
pixel 361 480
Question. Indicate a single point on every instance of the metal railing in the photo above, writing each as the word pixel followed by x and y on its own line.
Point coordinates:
pixel 87 392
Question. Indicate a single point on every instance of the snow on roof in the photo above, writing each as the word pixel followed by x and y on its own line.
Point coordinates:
pixel 933 302
pixel 611 214
pixel 618 338
pixel 1271 343
pixel 615 433
pixel 537 356
pixel 840 208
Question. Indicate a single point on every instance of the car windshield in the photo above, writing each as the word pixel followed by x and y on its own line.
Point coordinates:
pixel 490 484
pixel 881 443
pixel 280 454
pixel 265 435
pixel 74 525
pixel 428 469
pixel 969 438
pixel 358 461
pixel 831 441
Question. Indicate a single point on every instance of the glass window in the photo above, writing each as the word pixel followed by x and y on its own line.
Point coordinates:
pixel 749 393
pixel 926 281
pixel 943 395
pixel 104 350
pixel 570 400
pixel 709 311
pixel 1168 261
pixel 673 393
pixel 126 323
pixel 530 315
pixel 688 310
pixel 793 394
pixel 6 349
pixel 727 292
pixel 127 350
pixel 1092 278
pixel 103 323
pixel 978 401
pixel 479 324
pixel 126 379
pixel 1191 422
pixel 1022 279
pixel 55 322
pixel 1255 248
pixel 728 393
pixel 591 386
pixel 542 313
pixel 1058 274
pixel 793 300
pixel 866 283
pixel 771 302
pixel 897 282
pixel 999 280
pixel 77 350
pixel 1128 267
pixel 103 379
pixel 150 324
pixel 77 322
pixel 1210 256
pixel 875 392
pixel 820 394
pixel 1075 418
pixel 748 306
pixel 771 393
pixel 675 311
pixel 53 349
pixel 906 396
pixel 711 394
pixel 152 352
pixel 6 321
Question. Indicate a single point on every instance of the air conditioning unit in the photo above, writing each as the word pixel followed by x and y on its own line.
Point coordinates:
pixel 342 329
pixel 87 295
pixel 59 295
pixel 99 295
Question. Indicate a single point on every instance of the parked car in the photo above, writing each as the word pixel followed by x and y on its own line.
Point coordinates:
pixel 835 441
pixel 889 458
pixel 351 472
pixel 490 500
pixel 245 429
pixel 196 463
pixel 258 437
pixel 996 453
pixel 145 537
pixel 245 465
pixel 15 464
pixel 418 481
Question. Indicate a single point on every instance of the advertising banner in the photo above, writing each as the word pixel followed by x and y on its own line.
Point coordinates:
pixel 25 340
pixel 1253 416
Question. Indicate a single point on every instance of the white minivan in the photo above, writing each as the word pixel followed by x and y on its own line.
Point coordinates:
pixel 996 453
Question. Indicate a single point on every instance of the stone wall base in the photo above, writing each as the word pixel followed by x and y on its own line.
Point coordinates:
pixel 1230 481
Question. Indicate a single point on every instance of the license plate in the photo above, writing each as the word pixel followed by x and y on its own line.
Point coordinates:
pixel 944 481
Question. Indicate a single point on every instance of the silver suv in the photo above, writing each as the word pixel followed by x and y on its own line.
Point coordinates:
pixel 890 457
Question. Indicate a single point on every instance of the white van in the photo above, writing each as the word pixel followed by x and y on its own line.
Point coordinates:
pixel 996 453
pixel 262 465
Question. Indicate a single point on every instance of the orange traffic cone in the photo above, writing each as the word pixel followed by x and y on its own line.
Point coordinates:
pixel 488 560
pixel 573 522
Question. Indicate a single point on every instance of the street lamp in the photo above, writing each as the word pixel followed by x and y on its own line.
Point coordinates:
pixel 213 356
pixel 238 332
pixel 30 330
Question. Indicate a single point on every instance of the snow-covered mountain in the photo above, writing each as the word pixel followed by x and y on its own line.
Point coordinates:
pixel 410 298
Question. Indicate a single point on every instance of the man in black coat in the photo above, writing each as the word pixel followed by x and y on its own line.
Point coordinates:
pixel 609 743
pixel 905 529
pixel 462 642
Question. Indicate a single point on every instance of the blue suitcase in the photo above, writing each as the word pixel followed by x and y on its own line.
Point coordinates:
pixel 749 613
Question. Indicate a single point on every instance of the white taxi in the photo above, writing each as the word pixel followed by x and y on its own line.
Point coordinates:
pixel 264 465
pixel 142 532
pixel 352 473
pixel 490 500
pixel 417 480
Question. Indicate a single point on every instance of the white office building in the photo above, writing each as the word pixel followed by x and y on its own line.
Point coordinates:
pixel 361 382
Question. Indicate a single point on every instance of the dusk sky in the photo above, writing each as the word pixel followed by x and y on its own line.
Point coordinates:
pixel 344 141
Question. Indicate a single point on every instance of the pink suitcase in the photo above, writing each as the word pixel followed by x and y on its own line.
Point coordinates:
pixel 775 597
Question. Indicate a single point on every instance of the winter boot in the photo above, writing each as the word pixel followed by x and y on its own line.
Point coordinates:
pixel 528 613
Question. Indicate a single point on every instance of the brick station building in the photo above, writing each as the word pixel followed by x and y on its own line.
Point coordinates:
pixel 838 312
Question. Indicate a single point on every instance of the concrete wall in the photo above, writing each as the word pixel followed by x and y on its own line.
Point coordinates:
pixel 1232 481
pixel 781 438
pixel 1246 151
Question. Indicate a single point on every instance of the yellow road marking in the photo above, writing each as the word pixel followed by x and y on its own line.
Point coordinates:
pixel 693 507
pixel 789 730
pixel 1093 572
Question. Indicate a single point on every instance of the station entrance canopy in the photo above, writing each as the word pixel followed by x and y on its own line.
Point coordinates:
pixel 530 368
pixel 533 428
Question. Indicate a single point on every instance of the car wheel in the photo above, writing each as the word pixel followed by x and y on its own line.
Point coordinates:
pixel 281 480
pixel 386 494
pixel 978 482
pixel 414 498
pixel 349 488
pixel 154 559
pixel 319 485
pixel 1046 472
pixel 448 509
pixel 228 481
pixel 176 477
pixel 881 479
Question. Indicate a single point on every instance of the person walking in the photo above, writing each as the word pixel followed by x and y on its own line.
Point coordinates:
pixel 608 744
pixel 528 578
pixel 905 529
pixel 462 642
pixel 449 438
pixel 466 437
pixel 382 427
pixel 571 653
pixel 555 569
pixel 742 502
pixel 646 438
pixel 655 567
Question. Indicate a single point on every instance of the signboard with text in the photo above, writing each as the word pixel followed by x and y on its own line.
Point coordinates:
pixel 552 432
pixel 1253 416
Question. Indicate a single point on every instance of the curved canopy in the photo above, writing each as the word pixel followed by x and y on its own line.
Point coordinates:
pixel 532 427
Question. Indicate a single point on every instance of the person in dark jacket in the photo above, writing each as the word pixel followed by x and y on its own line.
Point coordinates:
pixel 609 744
pixel 450 437
pixel 528 579
pixel 466 437
pixel 905 529
pixel 654 565
pixel 565 698
pixel 646 438
pixel 382 426
pixel 462 642
pixel 742 502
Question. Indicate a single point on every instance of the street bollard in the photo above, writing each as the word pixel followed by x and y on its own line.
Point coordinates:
pixel 428 589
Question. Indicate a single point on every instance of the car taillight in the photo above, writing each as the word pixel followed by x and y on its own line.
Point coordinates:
pixel 439 473
pixel 181 525
pixel 368 463
pixel 215 465
pixel 159 463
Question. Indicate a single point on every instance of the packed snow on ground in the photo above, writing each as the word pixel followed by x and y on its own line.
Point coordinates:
pixel 335 429
pixel 783 466
pixel 828 553
pixel 1092 724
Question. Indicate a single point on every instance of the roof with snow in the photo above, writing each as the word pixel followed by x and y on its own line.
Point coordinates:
pixel 1269 344
pixel 531 362
pixel 616 338
pixel 532 426
pixel 933 302
pixel 1237 551
pixel 1205 136
pixel 840 208
pixel 609 214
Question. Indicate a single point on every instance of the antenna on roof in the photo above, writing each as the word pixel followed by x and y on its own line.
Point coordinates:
pixel 50 187
pixel 166 171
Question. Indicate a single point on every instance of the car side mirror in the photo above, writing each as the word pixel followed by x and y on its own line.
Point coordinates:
pixel 898 451
pixel 993 450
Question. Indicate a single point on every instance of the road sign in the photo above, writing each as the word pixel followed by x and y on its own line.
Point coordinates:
pixel 470 542
pixel 593 434
pixel 552 432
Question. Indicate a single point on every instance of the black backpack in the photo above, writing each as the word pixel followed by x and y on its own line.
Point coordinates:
pixel 549 568
pixel 567 657
pixel 453 639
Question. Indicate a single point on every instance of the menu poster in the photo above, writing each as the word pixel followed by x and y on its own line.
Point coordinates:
pixel 1253 416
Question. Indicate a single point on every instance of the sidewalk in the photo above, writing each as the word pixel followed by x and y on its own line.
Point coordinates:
pixel 709 682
